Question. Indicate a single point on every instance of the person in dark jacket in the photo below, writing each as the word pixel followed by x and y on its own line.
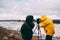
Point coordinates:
pixel 26 29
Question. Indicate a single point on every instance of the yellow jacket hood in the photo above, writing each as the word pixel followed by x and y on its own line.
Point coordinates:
pixel 43 18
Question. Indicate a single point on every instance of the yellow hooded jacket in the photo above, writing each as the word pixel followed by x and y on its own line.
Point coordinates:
pixel 48 25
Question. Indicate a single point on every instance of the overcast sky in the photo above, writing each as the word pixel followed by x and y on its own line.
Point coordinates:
pixel 18 9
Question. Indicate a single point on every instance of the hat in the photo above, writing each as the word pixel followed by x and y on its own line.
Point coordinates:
pixel 43 18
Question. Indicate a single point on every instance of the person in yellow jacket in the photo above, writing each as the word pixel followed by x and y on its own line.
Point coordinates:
pixel 48 26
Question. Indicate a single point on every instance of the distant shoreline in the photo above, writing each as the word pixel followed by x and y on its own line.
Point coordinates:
pixel 54 21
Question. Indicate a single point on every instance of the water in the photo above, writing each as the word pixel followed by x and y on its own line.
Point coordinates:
pixel 17 26
pixel 11 25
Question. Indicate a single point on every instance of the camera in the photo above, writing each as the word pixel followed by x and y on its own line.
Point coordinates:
pixel 38 20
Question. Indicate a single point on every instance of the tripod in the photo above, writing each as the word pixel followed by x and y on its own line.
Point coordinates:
pixel 39 30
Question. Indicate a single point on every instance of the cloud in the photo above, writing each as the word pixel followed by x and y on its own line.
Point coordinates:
pixel 38 7
pixel 12 17
pixel 33 7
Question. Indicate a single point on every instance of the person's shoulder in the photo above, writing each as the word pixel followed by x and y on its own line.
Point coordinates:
pixel 50 20
pixel 25 23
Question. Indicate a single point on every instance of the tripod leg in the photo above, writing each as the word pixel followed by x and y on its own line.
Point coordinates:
pixel 35 29
pixel 39 33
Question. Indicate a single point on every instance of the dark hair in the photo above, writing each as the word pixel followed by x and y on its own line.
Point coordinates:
pixel 29 18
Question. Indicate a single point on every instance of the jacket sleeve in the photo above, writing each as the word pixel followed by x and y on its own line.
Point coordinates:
pixel 24 28
pixel 44 23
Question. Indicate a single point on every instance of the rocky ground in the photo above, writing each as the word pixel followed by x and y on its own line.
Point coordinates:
pixel 11 35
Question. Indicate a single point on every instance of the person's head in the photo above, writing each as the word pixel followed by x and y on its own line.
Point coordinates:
pixel 29 18
pixel 43 17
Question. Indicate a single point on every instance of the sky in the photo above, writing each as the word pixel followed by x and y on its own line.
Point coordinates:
pixel 19 9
